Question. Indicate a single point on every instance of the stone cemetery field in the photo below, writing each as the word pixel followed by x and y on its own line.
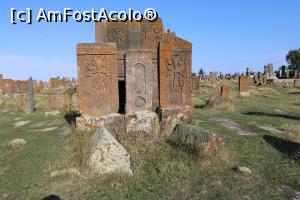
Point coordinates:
pixel 258 158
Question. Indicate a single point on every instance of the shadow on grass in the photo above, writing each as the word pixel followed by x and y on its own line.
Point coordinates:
pixel 200 106
pixel 294 93
pixel 52 197
pixel 272 115
pixel 289 148
pixel 187 148
pixel 71 115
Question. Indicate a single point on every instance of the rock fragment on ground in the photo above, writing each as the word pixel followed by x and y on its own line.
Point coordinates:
pixel 107 154
pixel 196 137
pixel 16 143
pixel 243 170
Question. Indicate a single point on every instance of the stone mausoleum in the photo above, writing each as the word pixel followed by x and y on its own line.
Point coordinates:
pixel 134 67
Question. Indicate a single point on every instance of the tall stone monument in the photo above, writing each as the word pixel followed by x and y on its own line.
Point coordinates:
pixel 134 66
pixel 97 78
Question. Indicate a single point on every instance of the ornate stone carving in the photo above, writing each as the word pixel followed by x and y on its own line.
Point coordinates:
pixel 175 72
pixel 97 76
pixel 138 80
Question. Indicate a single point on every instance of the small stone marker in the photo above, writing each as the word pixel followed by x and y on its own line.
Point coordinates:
pixel 31 96
pixel 243 85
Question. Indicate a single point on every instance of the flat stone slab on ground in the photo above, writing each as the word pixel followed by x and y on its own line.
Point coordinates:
pixel 42 123
pixel 228 123
pixel 56 122
pixel 46 129
pixel 21 123
pixel 270 129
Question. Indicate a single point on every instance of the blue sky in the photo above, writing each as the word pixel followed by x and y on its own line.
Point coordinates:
pixel 227 35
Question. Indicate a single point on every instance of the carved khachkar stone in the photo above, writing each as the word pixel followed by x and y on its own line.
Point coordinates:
pixel 16 87
pixel 130 35
pixel 7 86
pixel 97 78
pixel 24 87
pixel 175 72
pixel 243 85
pixel 196 84
pixel 138 80
pixel 30 96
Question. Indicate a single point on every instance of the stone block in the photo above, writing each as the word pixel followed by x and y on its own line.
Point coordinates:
pixel 138 80
pixel 97 78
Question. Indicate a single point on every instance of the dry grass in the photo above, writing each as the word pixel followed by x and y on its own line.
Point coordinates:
pixel 80 147
pixel 228 104
pixel 292 131
pixel 264 91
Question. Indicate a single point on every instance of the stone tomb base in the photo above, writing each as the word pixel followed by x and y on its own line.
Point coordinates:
pixel 146 124
pixel 139 124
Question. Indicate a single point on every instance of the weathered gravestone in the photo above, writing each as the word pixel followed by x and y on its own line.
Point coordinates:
pixel 148 69
pixel 139 80
pixel 175 72
pixel 196 86
pixel 243 85
pixel 97 77
pixel 31 96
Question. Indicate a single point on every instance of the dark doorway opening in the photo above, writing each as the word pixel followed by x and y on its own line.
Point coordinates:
pixel 122 97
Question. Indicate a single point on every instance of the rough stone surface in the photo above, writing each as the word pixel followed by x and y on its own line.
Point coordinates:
pixel 142 124
pixel 196 84
pixel 175 72
pixel 195 135
pixel 107 154
pixel 97 78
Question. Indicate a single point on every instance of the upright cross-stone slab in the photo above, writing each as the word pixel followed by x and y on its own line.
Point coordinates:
pixel 175 72
pixel 196 84
pixel 138 80
pixel 97 78
pixel 243 85
pixel 31 96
